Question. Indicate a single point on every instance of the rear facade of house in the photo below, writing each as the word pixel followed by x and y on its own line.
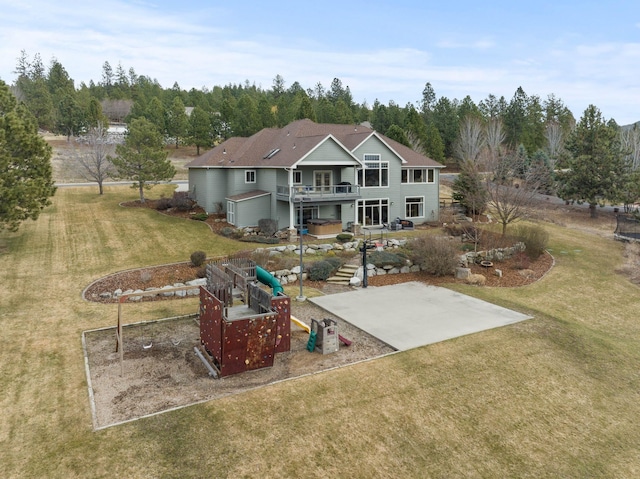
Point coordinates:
pixel 343 175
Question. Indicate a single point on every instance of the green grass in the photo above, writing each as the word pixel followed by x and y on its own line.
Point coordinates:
pixel 556 396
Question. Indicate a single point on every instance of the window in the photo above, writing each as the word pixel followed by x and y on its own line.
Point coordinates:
pixel 418 175
pixel 297 177
pixel 373 212
pixel 414 207
pixel 375 172
pixel 249 176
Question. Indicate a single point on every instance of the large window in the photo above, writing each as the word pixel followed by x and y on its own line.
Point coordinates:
pixel 375 172
pixel 414 207
pixel 249 176
pixel 373 212
pixel 418 175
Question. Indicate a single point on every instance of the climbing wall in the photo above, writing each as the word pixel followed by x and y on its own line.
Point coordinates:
pixel 282 304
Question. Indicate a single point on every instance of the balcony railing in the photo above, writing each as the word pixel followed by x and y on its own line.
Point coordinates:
pixel 318 193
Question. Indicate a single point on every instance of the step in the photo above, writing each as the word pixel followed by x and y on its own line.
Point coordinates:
pixel 344 274
pixel 350 267
pixel 338 280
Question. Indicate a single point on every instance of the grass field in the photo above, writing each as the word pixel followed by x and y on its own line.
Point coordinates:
pixel 556 396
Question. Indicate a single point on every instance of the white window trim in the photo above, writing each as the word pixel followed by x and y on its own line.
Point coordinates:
pixel 426 176
pixel 247 174
pixel 378 159
pixel 413 203
pixel 381 202
pixel 297 173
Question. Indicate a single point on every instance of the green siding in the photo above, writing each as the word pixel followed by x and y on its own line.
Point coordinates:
pixel 396 192
pixel 208 187
pixel 250 212
pixel 328 152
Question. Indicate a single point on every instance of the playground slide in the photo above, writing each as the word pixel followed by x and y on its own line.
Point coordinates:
pixel 267 278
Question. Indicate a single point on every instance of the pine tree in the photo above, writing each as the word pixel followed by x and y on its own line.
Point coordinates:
pixel 142 157
pixel 25 167
pixel 596 164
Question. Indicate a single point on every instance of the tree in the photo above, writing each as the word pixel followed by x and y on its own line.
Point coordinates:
pixel 95 163
pixel 200 129
pixel 512 185
pixel 70 119
pixel 177 121
pixel 470 140
pixel 396 133
pixel 494 137
pixel 26 182
pixel 469 189
pixel 142 157
pixel 596 163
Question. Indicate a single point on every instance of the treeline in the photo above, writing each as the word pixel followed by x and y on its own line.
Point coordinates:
pixel 433 125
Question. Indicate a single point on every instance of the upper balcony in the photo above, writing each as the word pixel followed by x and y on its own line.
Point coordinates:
pixel 341 192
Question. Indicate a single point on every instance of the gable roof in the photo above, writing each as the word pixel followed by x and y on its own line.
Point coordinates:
pixel 284 147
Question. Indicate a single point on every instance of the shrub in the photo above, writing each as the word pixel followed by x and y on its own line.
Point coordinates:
pixel 454 229
pixel 535 239
pixel 385 258
pixel 334 261
pixel 227 231
pixel 436 255
pixel 145 276
pixel 521 260
pixel 321 270
pixel 181 201
pixel 163 204
pixel 200 217
pixel 267 226
pixel 201 272
pixel 259 239
pixel 198 258
pixel 344 237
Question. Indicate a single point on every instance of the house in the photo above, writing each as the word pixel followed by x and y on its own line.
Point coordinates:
pixel 333 174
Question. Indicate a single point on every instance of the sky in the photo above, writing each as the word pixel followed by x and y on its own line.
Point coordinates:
pixel 583 52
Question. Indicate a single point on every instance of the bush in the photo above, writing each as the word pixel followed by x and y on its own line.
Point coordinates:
pixel 334 261
pixel 535 239
pixel 227 231
pixel 163 204
pixel 200 217
pixel 201 272
pixel 267 226
pixel 385 258
pixel 521 260
pixel 198 258
pixel 436 255
pixel 181 201
pixel 321 270
pixel 344 237
pixel 259 239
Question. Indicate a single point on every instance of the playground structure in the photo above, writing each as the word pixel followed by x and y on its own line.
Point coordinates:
pixel 242 326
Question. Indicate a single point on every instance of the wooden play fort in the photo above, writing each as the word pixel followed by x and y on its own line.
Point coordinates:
pixel 242 326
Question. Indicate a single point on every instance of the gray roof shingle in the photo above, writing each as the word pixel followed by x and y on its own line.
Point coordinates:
pixel 283 147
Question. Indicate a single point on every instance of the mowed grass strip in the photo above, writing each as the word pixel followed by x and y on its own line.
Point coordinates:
pixel 555 396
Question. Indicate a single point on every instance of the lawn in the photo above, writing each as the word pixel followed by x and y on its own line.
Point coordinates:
pixel 555 396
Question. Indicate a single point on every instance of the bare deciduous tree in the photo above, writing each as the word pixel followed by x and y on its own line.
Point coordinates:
pixel 630 142
pixel 555 140
pixel 94 163
pixel 470 140
pixel 494 137
pixel 512 186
